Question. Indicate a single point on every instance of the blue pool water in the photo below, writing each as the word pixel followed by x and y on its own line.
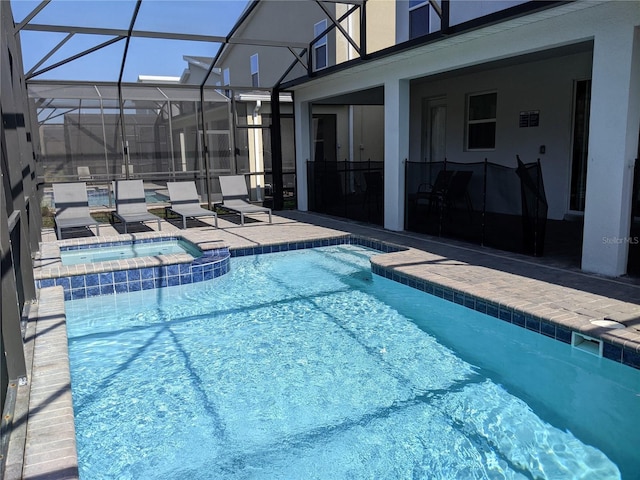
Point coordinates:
pixel 130 250
pixel 99 197
pixel 302 365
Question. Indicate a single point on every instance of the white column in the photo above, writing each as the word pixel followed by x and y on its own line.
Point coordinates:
pixel 302 116
pixel 613 146
pixel 396 150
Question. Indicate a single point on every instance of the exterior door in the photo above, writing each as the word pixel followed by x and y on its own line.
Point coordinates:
pixel 325 137
pixel 434 146
pixel 219 148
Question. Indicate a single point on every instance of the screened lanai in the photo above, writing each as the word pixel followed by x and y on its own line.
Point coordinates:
pixel 98 133
pixel 112 97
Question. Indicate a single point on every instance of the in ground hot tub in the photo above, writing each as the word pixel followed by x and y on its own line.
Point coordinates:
pixel 103 252
pixel 106 266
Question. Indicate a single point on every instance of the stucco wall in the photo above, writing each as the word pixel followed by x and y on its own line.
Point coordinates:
pixel 546 86
pixel 460 11
pixel 273 20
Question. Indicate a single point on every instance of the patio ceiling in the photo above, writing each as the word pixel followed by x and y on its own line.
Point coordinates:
pixel 117 40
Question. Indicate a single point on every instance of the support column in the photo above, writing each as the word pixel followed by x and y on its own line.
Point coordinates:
pixel 396 150
pixel 613 146
pixel 302 118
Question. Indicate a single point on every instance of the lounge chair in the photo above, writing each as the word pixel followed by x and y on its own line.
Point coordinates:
pixel 125 169
pixel 186 203
pixel 72 207
pixel 131 205
pixel 235 197
pixel 84 173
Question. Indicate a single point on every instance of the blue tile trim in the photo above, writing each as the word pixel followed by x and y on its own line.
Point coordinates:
pixel 327 242
pixel 120 243
pixel 612 352
pixel 631 358
pixel 532 323
pixel 563 334
pixel 508 314
pixel 505 314
pixel 519 320
pixel 136 279
pixel 548 329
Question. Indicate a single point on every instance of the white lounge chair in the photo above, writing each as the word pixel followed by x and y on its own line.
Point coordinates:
pixel 235 197
pixel 186 203
pixel 125 169
pixel 84 173
pixel 131 205
pixel 72 207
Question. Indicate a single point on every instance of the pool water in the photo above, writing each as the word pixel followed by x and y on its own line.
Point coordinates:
pixel 129 250
pixel 304 365
pixel 99 197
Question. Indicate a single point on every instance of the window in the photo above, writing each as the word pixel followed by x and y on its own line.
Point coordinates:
pixel 481 121
pixel 320 51
pixel 418 18
pixel 255 78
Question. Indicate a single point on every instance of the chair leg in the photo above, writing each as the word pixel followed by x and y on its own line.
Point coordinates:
pixel 215 217
pixel 242 219
pixel 184 222
pixel 270 216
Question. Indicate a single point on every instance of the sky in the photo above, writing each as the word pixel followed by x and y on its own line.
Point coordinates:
pixel 145 56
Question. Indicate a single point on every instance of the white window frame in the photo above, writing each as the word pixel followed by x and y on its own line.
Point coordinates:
pixel 318 28
pixel 255 70
pixel 469 122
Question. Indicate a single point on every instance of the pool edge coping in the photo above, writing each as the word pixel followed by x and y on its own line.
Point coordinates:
pixel 49 445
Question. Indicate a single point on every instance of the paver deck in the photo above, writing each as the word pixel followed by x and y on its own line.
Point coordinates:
pixel 561 297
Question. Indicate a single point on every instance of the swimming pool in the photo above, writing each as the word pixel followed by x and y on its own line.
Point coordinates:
pixel 103 252
pixel 303 365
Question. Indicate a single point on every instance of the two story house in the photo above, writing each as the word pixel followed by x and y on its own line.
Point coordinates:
pixel 551 83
